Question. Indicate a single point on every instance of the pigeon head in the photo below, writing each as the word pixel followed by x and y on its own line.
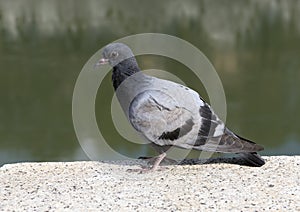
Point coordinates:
pixel 121 58
pixel 115 53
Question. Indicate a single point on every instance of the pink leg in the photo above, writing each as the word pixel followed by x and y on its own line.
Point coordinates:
pixel 155 166
pixel 158 161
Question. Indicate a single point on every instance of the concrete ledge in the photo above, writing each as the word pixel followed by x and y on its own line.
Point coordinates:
pixel 108 186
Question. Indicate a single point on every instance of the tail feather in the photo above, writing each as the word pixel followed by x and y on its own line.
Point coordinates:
pixel 253 159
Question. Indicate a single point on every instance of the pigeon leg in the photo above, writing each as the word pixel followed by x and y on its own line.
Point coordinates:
pixel 158 161
pixel 165 161
pixel 155 166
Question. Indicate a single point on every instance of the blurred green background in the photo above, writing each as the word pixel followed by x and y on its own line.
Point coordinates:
pixel 254 46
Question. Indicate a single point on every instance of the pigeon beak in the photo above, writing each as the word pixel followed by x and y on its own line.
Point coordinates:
pixel 102 61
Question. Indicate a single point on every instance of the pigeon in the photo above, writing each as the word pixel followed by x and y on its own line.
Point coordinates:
pixel 169 114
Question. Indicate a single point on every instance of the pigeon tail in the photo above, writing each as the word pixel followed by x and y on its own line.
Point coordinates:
pixel 253 159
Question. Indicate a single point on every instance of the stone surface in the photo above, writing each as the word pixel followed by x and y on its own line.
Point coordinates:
pixel 109 186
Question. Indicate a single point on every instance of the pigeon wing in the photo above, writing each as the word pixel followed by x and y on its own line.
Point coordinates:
pixel 175 115
pixel 160 118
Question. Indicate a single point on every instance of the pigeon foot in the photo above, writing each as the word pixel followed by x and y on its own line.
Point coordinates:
pixel 155 167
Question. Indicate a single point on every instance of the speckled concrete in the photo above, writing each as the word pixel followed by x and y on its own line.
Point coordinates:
pixel 107 185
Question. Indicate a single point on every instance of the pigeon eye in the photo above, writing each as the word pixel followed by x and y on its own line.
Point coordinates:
pixel 114 54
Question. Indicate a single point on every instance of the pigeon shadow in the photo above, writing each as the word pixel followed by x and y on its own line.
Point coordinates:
pixel 219 160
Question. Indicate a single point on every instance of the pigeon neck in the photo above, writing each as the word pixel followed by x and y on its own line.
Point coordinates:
pixel 124 69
